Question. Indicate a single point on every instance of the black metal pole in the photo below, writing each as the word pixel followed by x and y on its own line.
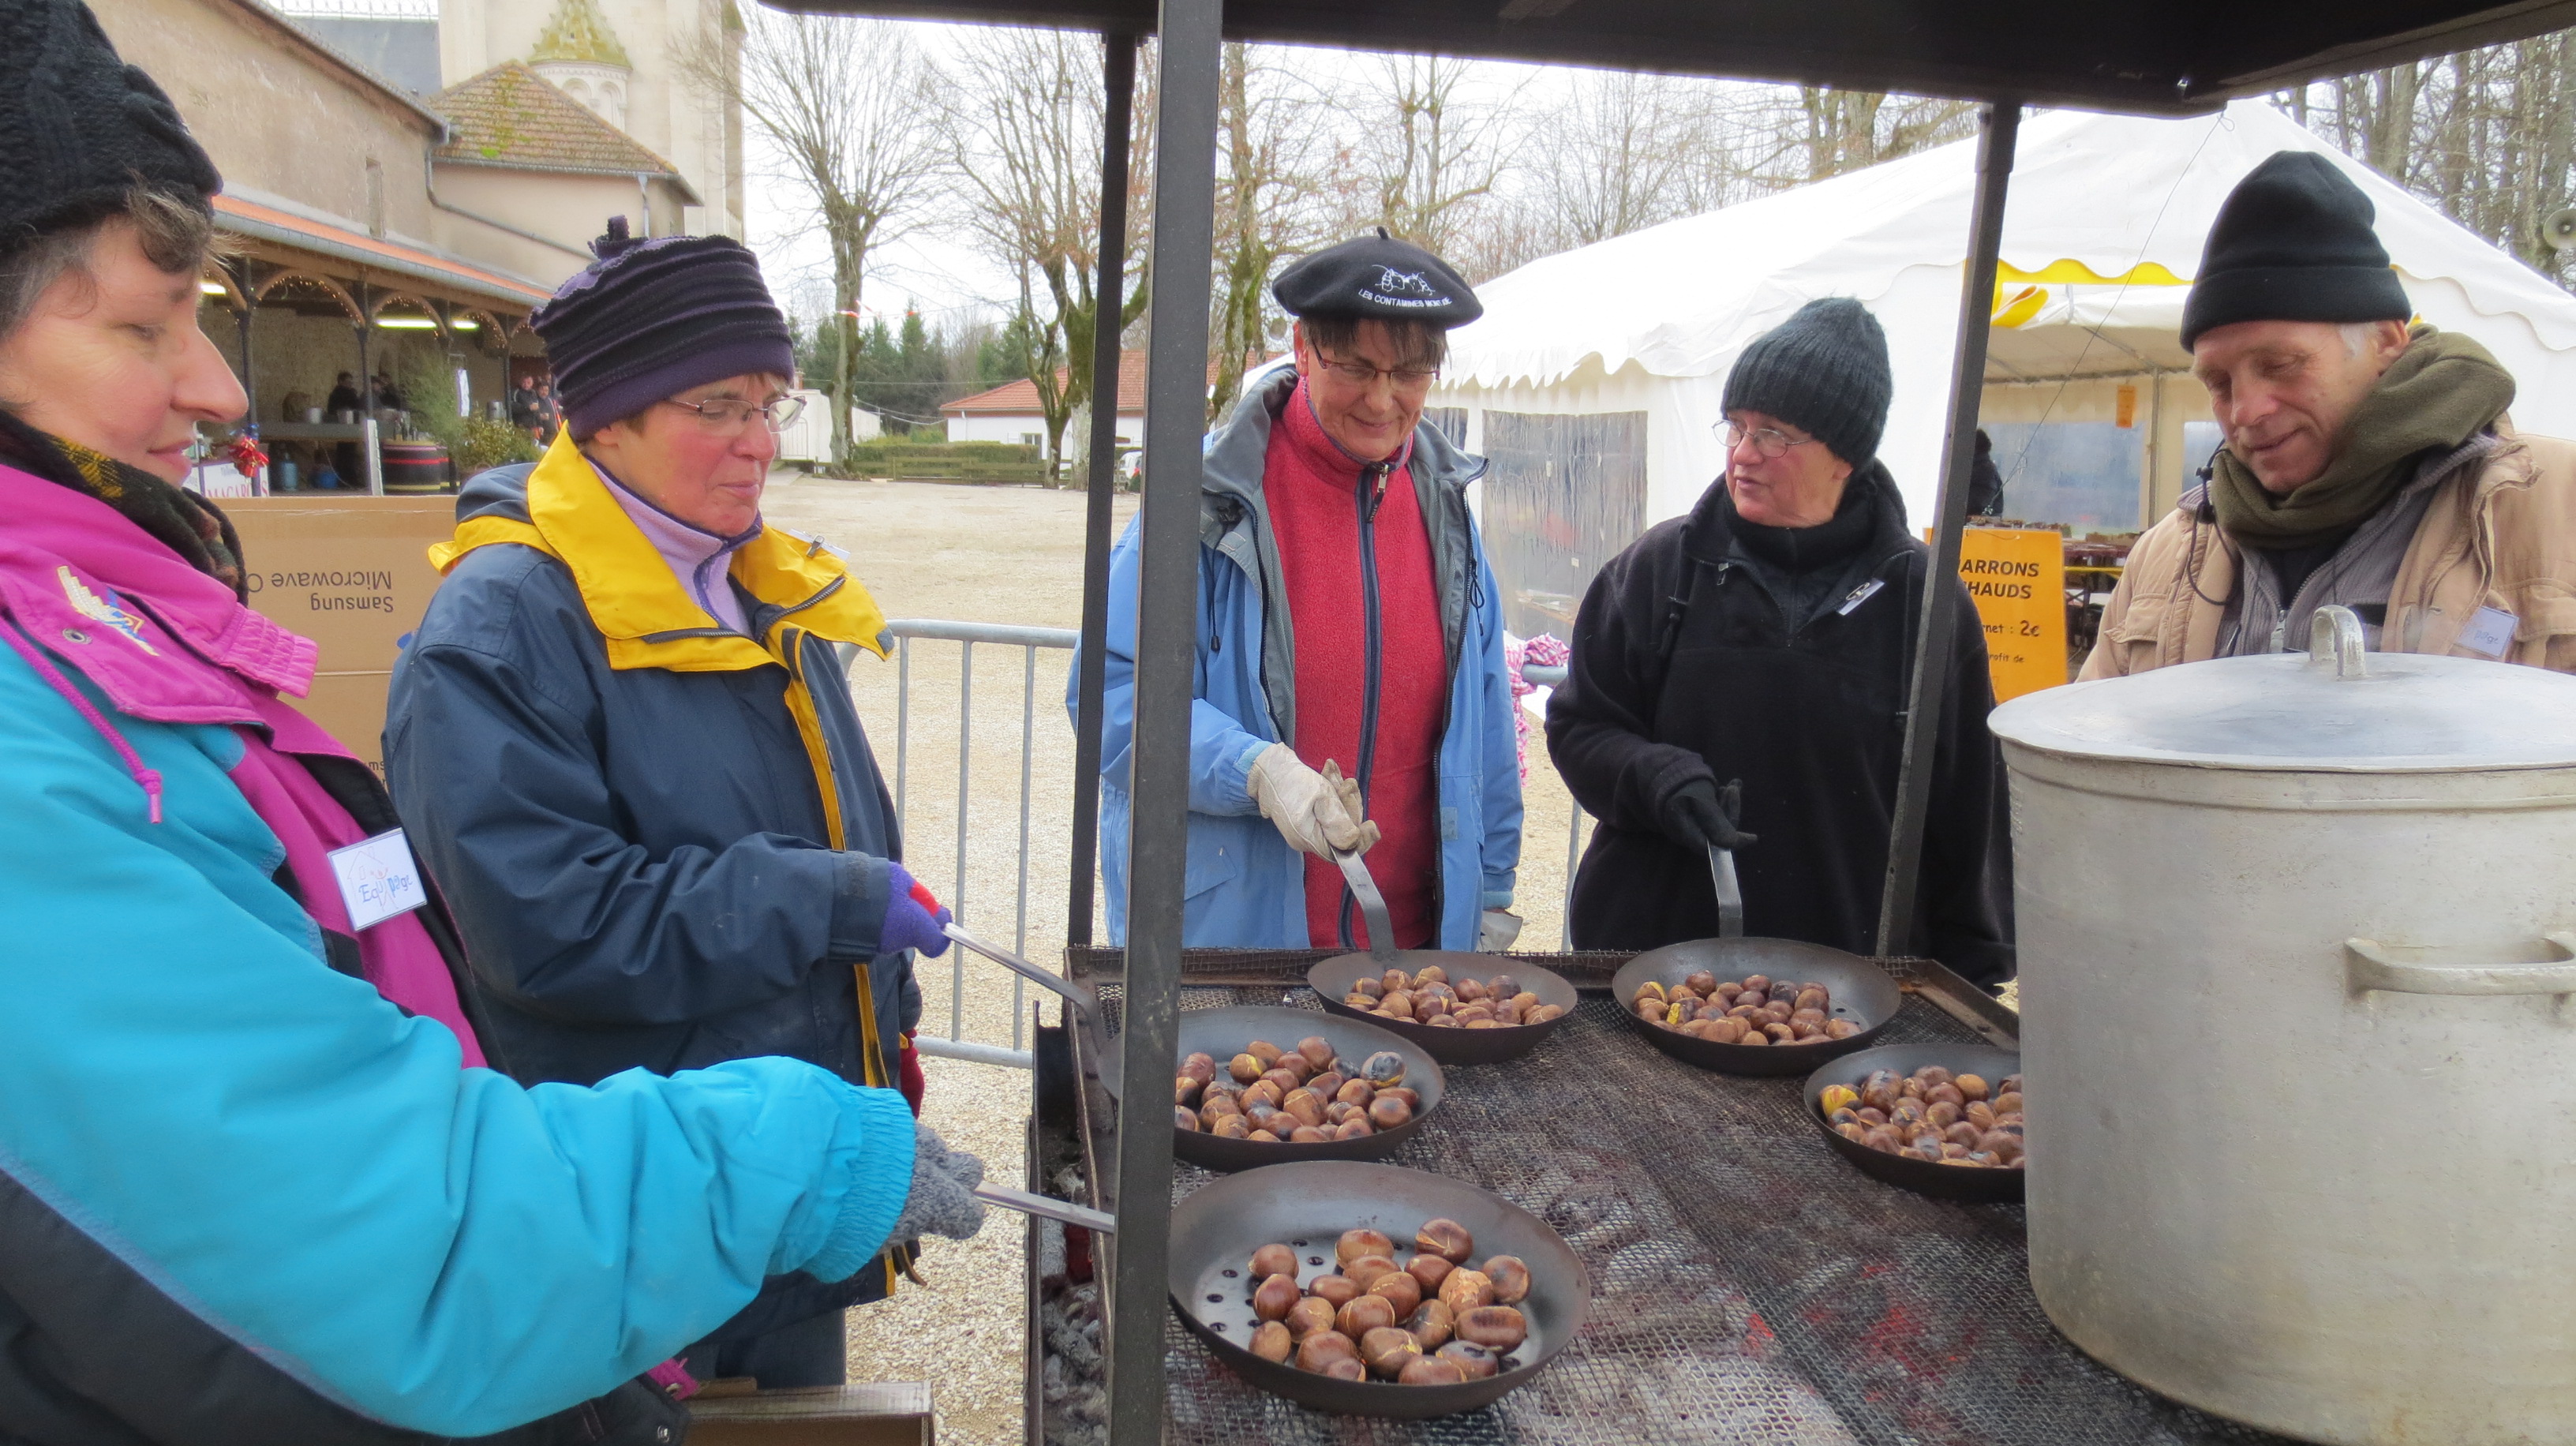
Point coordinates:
pixel 1192 40
pixel 1998 128
pixel 1118 79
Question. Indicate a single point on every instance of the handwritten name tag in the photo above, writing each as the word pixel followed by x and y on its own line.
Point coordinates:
pixel 378 879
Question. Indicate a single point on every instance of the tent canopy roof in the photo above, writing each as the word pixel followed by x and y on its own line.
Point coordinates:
pixel 2176 57
pixel 2107 215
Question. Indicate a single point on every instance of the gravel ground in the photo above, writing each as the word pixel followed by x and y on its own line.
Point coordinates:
pixel 1003 555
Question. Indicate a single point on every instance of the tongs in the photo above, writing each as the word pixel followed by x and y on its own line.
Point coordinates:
pixel 1047 1207
pixel 1082 1001
pixel 1730 894
pixel 1381 929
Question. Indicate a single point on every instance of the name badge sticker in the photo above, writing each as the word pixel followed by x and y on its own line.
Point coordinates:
pixel 378 879
pixel 2490 632
pixel 1859 595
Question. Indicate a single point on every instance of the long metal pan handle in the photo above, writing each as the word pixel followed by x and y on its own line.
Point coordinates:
pixel 1073 994
pixel 1730 894
pixel 1047 1207
pixel 2369 965
pixel 1381 926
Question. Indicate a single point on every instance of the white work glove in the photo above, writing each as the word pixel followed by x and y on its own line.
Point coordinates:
pixel 1318 813
pixel 1496 930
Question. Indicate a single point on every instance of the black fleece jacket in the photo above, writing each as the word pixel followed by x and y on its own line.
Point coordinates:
pixel 1715 649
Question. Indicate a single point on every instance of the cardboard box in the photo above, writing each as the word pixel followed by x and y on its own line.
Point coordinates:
pixel 352 573
pixel 890 1413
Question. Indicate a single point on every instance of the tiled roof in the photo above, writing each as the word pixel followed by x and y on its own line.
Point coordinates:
pixel 512 116
pixel 1021 397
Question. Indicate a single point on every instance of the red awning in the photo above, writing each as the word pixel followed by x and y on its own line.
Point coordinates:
pixel 286 228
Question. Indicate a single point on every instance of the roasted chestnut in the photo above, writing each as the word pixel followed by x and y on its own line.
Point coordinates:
pixel 1272 1298
pixel 1232 1127
pixel 1511 1279
pixel 1353 1130
pixel 1272 1260
pixel 1305 1104
pixel 1495 1327
pixel 1264 1051
pixel 1310 1314
pixel 1326 1083
pixel 1431 1371
pixel 1185 1118
pixel 1470 990
pixel 1544 1013
pixel 1383 1070
pixel 1245 1068
pixel 1361 1243
pixel 1941 1114
pixel 1263 1091
pixel 1502 986
pixel 1432 1324
pixel 1316 1050
pixel 1429 1269
pixel 1401 1290
pixel 1973 1086
pixel 1272 1341
pixel 1216 1106
pixel 1464 1290
pixel 1474 1360
pixel 1388 1348
pixel 1284 1079
pixel 1309 1135
pixel 1363 1314
pixel 1344 1368
pixel 1355 1092
pixel 1342 1112
pixel 1322 1346
pixel 1364 1271
pixel 1386 1112
pixel 1261 1136
pixel 1445 1238
pixel 1200 1067
pixel 1339 1290
pixel 1368 988
pixel 1840 1029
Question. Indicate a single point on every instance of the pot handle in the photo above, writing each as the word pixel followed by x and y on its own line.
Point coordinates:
pixel 2335 641
pixel 2367 965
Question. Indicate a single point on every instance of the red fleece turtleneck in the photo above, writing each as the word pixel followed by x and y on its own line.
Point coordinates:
pixel 1310 486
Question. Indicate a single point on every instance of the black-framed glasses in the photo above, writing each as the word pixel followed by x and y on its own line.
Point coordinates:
pixel 1361 374
pixel 1771 442
pixel 725 416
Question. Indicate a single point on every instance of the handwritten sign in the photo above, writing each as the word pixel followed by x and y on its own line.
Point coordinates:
pixel 2018 577
pixel 378 879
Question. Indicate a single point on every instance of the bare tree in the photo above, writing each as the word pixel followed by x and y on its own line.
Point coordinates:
pixel 1846 130
pixel 1025 144
pixel 1428 149
pixel 851 106
pixel 1267 183
pixel 2483 135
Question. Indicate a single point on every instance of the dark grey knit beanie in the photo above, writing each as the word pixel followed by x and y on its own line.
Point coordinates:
pixel 1824 371
pixel 79 127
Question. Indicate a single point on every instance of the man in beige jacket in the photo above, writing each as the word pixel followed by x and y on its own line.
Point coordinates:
pixel 2366 463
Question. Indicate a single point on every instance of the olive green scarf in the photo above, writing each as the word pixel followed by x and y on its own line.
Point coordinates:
pixel 2443 390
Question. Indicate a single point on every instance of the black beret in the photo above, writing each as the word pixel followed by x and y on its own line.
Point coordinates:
pixel 79 127
pixel 1377 278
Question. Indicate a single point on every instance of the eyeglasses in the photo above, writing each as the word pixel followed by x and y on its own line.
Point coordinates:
pixel 726 416
pixel 1361 374
pixel 1771 442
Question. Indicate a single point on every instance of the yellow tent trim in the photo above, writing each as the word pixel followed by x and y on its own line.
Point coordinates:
pixel 2064 272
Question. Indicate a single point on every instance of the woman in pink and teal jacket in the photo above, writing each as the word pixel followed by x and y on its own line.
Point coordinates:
pixel 256 1182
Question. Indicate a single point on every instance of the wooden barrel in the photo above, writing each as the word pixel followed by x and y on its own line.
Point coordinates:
pixel 416 467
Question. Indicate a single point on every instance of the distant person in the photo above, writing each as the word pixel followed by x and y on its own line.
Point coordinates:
pixel 385 394
pixel 344 395
pixel 1351 687
pixel 549 412
pixel 2367 462
pixel 258 1182
pixel 1985 480
pixel 1746 667
pixel 623 738
pixel 526 406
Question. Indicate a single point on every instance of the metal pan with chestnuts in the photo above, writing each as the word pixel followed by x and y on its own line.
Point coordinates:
pixel 1944 1119
pixel 1755 1006
pixel 1258 1085
pixel 1440 1298
pixel 1463 1008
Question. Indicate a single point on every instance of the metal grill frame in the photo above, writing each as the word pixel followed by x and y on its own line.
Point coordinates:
pixel 1821 1305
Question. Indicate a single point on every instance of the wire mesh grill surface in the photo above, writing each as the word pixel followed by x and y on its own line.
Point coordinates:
pixel 1750 1285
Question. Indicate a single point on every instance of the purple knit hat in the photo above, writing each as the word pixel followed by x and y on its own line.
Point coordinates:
pixel 651 319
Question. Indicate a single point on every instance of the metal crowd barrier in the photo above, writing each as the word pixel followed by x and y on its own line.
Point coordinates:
pixel 906 631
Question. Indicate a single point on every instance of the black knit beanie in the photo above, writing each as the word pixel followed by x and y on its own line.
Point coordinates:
pixel 79 127
pixel 1825 371
pixel 2293 242
pixel 651 319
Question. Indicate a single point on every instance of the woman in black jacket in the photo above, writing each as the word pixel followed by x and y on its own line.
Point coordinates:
pixel 1768 637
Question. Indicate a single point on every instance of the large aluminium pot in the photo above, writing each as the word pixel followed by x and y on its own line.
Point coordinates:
pixel 2299 1036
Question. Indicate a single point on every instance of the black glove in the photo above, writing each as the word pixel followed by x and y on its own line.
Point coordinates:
pixel 1698 817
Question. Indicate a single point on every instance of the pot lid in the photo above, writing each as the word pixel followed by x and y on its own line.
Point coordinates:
pixel 2333 709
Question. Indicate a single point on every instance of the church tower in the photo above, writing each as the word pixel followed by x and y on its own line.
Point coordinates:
pixel 579 52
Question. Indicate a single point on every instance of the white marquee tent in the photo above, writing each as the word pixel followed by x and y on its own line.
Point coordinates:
pixel 2104 228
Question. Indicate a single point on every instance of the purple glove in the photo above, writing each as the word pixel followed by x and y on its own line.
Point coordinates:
pixel 914 917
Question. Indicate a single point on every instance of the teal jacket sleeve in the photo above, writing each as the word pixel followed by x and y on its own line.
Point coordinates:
pixel 307 1169
pixel 1221 747
pixel 1498 745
